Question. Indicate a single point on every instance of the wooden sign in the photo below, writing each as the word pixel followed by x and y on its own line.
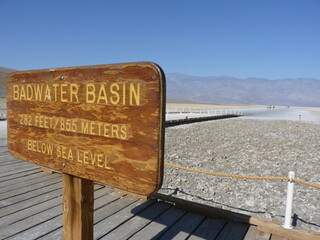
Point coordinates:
pixel 103 123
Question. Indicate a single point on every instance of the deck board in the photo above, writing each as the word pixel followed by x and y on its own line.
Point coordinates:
pixel 233 231
pixel 14 167
pixel 18 175
pixel 9 161
pixel 31 221
pixel 32 187
pixel 31 208
pixel 254 234
pixel 138 222
pixel 15 171
pixel 184 227
pixel 29 199
pixel 27 212
pixel 22 182
pixel 119 216
pixel 209 229
pixel 160 225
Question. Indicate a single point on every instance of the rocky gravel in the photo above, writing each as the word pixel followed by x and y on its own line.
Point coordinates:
pixel 247 147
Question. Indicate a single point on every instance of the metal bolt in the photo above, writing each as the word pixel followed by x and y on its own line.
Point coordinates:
pixel 63 164
pixel 62 77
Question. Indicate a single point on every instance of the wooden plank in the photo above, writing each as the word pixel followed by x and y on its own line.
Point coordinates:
pixel 29 222
pixel 294 234
pixel 21 174
pixel 111 128
pixel 7 160
pixel 129 228
pixel 161 224
pixel 10 168
pixel 110 222
pixel 53 227
pixel 37 222
pixel 27 192
pixel 21 202
pixel 41 229
pixel 254 234
pixel 184 227
pixel 4 148
pixel 100 203
pixel 5 154
pixel 113 207
pixel 46 181
pixel 106 199
pixel 15 171
pixel 233 231
pixel 77 208
pixel 209 229
pixel 27 212
pixel 48 170
pixel 101 192
pixel 23 181
pixel 12 164
pixel 56 234
pixel 275 237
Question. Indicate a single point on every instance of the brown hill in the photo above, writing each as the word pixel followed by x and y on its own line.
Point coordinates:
pixel 4 73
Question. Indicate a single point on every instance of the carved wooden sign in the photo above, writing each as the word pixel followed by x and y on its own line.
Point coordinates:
pixel 104 123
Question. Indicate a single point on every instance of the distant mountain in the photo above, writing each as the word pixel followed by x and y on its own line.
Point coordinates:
pixel 4 73
pixel 253 91
pixel 231 90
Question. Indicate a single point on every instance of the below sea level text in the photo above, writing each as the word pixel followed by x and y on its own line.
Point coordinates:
pixel 70 154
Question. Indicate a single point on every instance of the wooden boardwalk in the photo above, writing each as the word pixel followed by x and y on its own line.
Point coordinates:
pixel 31 208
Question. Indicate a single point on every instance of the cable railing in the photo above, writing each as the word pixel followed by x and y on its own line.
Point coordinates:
pixel 291 179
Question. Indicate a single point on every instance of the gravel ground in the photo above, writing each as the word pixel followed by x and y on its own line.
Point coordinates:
pixel 247 147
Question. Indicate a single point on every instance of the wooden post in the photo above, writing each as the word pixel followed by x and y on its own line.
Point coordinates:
pixel 77 208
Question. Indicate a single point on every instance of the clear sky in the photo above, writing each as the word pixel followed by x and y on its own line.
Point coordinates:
pixel 248 38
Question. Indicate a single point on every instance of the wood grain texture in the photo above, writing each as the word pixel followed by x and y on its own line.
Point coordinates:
pixel 77 208
pixel 104 123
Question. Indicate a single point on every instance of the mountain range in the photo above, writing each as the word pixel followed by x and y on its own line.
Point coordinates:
pixel 302 92
pixel 249 91
pixel 4 73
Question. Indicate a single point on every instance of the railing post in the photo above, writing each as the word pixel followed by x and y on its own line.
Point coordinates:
pixel 287 219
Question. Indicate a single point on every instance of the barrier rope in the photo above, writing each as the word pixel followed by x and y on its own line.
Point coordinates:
pixel 244 177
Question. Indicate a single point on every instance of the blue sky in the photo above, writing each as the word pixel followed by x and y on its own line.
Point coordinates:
pixel 249 38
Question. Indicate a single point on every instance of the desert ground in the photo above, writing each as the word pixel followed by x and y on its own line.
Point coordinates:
pixel 255 145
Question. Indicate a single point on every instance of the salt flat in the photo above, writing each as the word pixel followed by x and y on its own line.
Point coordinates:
pixel 294 114
pixel 263 142
pixel 251 147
